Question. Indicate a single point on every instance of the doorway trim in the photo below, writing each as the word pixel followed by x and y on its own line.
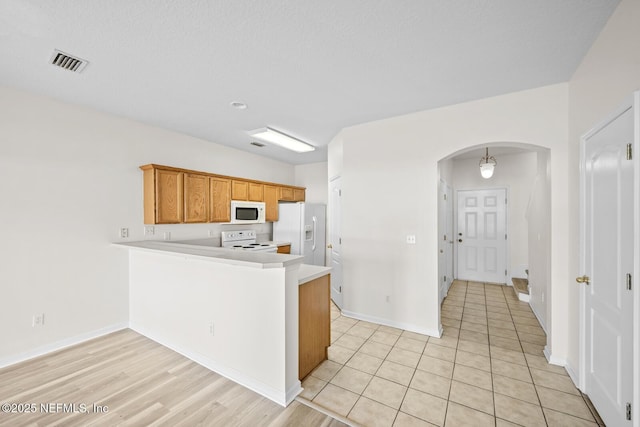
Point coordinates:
pixel 632 101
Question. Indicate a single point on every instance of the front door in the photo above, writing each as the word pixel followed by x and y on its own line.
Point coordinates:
pixel 482 235
pixel 607 265
pixel 335 241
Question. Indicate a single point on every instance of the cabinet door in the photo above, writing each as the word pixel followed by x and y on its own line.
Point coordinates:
pixel 220 190
pixel 196 198
pixel 298 194
pixel 286 249
pixel 271 203
pixel 256 192
pixel 286 194
pixel 239 190
pixel 169 202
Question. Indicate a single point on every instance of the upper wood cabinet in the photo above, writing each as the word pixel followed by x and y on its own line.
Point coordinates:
pixel 256 192
pixel 196 198
pixel 174 195
pixel 271 203
pixel 239 190
pixel 298 194
pixel 220 196
pixel 166 207
pixel 286 194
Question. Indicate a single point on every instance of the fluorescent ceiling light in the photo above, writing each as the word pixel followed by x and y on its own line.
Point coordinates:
pixel 281 139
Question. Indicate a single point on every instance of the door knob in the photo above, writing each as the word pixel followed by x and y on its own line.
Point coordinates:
pixel 329 246
pixel 460 240
pixel 583 279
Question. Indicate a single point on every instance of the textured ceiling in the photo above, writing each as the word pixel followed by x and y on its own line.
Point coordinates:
pixel 308 68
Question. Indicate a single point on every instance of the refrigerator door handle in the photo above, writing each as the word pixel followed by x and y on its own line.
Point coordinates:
pixel 315 223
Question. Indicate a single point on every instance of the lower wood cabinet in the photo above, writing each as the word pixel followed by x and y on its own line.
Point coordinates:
pixel 314 327
pixel 284 249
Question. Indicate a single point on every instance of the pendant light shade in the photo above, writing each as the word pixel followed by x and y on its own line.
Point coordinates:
pixel 487 165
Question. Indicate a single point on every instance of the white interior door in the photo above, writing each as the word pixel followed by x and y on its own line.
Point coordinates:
pixel 445 242
pixel 335 240
pixel 482 235
pixel 607 265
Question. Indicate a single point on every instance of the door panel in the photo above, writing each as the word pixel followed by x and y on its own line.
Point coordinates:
pixel 608 258
pixel 482 245
pixel 335 241
pixel 445 241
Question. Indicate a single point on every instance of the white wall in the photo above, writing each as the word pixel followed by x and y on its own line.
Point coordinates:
pixel 538 233
pixel 69 180
pixel 313 176
pixel 390 185
pixel 516 173
pixel 608 74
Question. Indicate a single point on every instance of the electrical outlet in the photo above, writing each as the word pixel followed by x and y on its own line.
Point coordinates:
pixel 211 330
pixel 124 233
pixel 411 239
pixel 212 233
pixel 167 235
pixel 388 298
pixel 37 320
pixel 149 230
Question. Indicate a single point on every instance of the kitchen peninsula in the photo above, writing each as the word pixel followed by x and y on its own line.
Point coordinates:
pixel 234 312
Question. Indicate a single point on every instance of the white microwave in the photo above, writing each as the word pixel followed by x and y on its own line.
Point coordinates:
pixel 247 212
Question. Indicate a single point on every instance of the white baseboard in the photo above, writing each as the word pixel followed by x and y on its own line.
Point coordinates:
pixel 59 345
pixel 552 359
pixel 280 397
pixel 400 325
pixel 572 374
pixel 524 297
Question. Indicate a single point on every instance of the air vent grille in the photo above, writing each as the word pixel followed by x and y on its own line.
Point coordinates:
pixel 257 144
pixel 68 62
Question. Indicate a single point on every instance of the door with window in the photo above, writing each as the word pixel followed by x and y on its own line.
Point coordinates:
pixel 482 235
pixel 607 256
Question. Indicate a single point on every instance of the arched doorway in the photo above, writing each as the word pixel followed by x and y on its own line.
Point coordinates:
pixel 522 170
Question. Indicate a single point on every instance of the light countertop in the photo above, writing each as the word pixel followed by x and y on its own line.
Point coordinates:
pixel 309 272
pixel 216 254
pixel 277 243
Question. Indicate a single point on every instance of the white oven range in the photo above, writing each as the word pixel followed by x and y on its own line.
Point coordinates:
pixel 245 240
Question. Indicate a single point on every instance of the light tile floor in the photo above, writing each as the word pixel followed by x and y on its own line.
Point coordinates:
pixel 487 369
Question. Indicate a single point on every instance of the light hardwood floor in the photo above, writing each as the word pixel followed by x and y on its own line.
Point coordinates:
pixel 142 384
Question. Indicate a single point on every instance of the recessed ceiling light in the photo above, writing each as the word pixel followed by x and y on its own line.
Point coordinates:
pixel 239 105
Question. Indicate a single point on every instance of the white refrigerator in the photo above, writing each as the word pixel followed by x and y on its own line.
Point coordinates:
pixel 302 224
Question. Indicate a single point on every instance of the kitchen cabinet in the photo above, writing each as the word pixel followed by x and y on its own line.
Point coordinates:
pixel 286 194
pixel 239 190
pixel 284 249
pixel 175 195
pixel 164 202
pixel 196 197
pixel 256 192
pixel 271 203
pixel 314 329
pixel 298 194
pixel 220 199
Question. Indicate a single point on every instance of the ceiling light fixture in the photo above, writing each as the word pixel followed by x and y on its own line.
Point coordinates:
pixel 487 165
pixel 283 140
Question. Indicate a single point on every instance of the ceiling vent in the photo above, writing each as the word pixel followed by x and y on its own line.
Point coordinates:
pixel 68 62
pixel 257 144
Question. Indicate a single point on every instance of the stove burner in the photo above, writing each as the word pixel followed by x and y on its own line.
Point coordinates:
pixel 237 246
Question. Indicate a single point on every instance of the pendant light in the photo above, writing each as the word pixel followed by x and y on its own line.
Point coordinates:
pixel 487 165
